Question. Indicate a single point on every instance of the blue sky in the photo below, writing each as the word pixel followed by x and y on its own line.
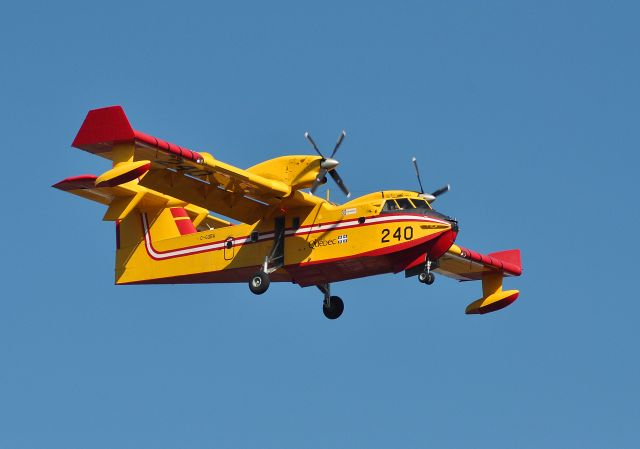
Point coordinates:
pixel 529 110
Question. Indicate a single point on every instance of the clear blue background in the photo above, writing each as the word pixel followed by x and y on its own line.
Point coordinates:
pixel 529 109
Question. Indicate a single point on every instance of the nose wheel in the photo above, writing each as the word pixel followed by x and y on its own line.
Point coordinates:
pixel 427 277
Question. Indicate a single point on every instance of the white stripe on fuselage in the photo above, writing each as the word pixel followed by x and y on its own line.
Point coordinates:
pixel 303 230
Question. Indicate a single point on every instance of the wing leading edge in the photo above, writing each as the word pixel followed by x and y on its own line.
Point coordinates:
pixel 192 176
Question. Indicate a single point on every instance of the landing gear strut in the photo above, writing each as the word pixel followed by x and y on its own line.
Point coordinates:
pixel 259 282
pixel 332 306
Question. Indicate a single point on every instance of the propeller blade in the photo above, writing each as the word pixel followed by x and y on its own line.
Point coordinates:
pixel 441 190
pixel 415 165
pixel 338 143
pixel 315 147
pixel 336 177
pixel 320 179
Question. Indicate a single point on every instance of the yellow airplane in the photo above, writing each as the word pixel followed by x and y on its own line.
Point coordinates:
pixel 160 196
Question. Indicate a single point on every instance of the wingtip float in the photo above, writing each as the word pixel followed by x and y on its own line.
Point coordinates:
pixel 161 197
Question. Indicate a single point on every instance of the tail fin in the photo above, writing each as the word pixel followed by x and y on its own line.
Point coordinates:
pixel 133 237
pixel 128 204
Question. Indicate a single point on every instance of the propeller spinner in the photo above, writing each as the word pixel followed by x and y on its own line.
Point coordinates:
pixel 328 165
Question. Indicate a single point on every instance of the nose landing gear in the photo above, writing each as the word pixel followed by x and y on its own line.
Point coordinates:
pixel 427 276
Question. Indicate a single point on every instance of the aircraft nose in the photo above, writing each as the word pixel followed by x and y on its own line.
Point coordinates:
pixel 454 224
pixel 452 221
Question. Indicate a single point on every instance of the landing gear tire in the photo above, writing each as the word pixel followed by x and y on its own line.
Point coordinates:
pixel 427 277
pixel 259 283
pixel 334 309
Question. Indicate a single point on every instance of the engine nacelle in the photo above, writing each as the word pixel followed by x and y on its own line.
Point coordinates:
pixel 123 173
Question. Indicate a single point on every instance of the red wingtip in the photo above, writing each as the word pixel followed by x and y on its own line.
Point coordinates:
pixel 511 260
pixel 103 127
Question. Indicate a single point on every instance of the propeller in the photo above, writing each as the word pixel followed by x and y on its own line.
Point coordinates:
pixel 431 197
pixel 328 165
pixel 415 165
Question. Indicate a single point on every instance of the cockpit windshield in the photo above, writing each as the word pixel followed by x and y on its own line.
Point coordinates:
pixel 390 206
pixel 421 204
pixel 404 204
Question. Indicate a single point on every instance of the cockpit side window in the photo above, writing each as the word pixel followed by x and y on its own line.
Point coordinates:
pixel 404 203
pixel 390 205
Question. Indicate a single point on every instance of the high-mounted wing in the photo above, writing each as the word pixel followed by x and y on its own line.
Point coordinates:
pixel 195 177
pixel 467 265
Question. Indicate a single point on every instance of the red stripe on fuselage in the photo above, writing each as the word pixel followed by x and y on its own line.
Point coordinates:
pixel 391 258
pixel 303 231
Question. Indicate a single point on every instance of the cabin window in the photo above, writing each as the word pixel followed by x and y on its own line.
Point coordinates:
pixel 253 237
pixel 404 203
pixel 295 224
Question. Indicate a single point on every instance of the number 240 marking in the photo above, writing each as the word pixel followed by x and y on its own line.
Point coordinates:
pixel 398 234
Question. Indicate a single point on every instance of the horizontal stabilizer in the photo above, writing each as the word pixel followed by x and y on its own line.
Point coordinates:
pixel 123 199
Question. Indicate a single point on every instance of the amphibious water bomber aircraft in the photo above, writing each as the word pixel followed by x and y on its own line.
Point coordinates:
pixel 168 204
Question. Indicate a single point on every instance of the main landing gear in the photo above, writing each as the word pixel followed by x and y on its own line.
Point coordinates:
pixel 260 281
pixel 332 306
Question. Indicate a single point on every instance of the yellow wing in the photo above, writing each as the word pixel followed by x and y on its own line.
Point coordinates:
pixel 465 264
pixel 196 177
